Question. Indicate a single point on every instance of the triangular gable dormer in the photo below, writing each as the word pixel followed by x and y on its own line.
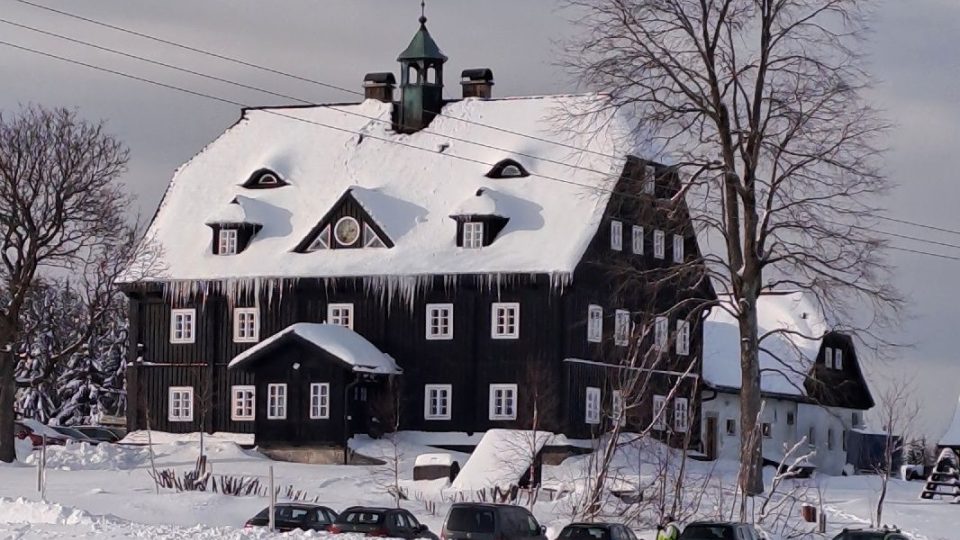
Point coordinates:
pixel 264 179
pixel 347 225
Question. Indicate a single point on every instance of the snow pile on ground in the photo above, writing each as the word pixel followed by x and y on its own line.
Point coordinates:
pixel 84 456
pixel 501 458
pixel 163 437
pixel 26 511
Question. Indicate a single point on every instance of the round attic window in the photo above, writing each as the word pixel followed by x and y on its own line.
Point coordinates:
pixel 268 179
pixel 347 231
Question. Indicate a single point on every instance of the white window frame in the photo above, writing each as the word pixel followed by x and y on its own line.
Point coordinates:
pixel 594 323
pixel 661 331
pixel 677 248
pixel 442 315
pixel 319 401
pixel 828 357
pixel 340 313
pixel 591 405
pixel 637 240
pixel 277 401
pixel 509 395
pixel 243 402
pixel 617 412
pixel 180 403
pixel 659 408
pixel 838 359
pixel 616 235
pixel 473 235
pixel 188 326
pixel 322 241
pixel 683 337
pixel 658 244
pixel 227 242
pixel 621 327
pixel 505 330
pixel 243 330
pixel 649 179
pixel 681 415
pixel 443 393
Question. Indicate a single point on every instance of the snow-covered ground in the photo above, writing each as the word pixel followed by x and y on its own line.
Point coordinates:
pixel 106 492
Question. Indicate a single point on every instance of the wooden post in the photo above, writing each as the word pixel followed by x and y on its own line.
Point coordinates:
pixel 43 469
pixel 273 502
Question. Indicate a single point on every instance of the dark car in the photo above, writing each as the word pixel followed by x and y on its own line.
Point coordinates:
pixel 74 435
pixel 476 521
pixel 871 534
pixel 98 433
pixel 293 516
pixel 372 521
pixel 596 531
pixel 717 530
pixel 23 431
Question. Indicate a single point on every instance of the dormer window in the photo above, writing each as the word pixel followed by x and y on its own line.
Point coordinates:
pixel 347 231
pixel 235 224
pixel 264 179
pixel 322 241
pixel 370 238
pixel 508 168
pixel 473 235
pixel 349 224
pixel 227 242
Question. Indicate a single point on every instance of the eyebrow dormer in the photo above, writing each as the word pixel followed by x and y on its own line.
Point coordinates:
pixel 264 179
pixel 508 168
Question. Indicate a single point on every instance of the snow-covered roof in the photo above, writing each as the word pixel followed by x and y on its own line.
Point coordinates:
pixel 952 436
pixel 786 356
pixel 410 184
pixel 483 203
pixel 500 459
pixel 425 460
pixel 340 341
pixel 241 209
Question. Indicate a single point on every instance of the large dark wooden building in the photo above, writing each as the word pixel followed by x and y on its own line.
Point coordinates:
pixel 423 263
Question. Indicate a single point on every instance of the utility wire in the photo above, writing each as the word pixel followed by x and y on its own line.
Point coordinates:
pixel 342 89
pixel 919 252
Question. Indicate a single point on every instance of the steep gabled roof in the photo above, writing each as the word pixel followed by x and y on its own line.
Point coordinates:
pixel 409 183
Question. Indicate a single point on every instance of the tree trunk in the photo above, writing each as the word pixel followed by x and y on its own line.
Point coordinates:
pixel 8 390
pixel 751 457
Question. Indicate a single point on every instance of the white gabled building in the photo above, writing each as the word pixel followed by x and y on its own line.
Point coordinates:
pixel 812 386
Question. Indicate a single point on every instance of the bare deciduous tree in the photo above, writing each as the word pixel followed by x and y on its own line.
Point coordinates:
pixel 898 411
pixel 759 104
pixel 61 208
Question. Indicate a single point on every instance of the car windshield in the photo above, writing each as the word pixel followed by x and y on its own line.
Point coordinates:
pixel 71 432
pixel 583 532
pixel 467 519
pixel 707 532
pixel 362 518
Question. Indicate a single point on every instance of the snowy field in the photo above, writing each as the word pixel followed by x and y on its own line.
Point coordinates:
pixel 105 492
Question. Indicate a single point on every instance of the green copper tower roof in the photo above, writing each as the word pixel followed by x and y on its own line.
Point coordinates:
pixel 422 46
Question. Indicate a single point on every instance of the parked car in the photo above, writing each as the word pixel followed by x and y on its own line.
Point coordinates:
pixel 372 521
pixel 293 516
pixel 596 531
pixel 871 534
pixel 98 433
pixel 717 530
pixel 34 430
pixel 74 435
pixel 476 521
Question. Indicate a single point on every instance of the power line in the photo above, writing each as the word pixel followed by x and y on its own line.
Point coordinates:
pixel 342 89
pixel 919 252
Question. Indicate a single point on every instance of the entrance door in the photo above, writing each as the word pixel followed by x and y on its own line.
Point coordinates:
pixel 711 442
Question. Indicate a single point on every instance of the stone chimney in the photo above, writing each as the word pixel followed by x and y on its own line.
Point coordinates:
pixel 379 86
pixel 477 83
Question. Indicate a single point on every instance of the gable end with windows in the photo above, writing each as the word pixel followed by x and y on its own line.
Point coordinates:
pixel 347 225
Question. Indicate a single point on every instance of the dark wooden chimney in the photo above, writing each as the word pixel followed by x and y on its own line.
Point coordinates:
pixel 379 86
pixel 477 83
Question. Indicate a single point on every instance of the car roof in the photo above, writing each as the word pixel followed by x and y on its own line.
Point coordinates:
pixel 586 524
pixel 485 505
pixel 370 509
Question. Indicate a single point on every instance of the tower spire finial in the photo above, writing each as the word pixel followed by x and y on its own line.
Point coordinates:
pixel 423 12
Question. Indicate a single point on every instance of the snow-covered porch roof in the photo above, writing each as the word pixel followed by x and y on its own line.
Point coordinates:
pixel 339 341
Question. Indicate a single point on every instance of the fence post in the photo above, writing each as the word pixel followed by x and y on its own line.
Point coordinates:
pixel 43 469
pixel 273 502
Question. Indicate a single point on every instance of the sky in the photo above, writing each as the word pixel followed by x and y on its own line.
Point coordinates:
pixel 912 54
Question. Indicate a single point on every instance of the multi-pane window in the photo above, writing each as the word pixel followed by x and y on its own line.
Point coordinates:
pixel 617 411
pixel 277 401
pixel 649 179
pixel 182 325
pixel 731 427
pixel 637 240
pixel 243 402
pixel 837 359
pixel 592 405
pixel 503 402
pixel 616 235
pixel 227 242
pixel 180 404
pixel 766 429
pixel 594 323
pixel 340 314
pixel 658 240
pixel 473 234
pixel 683 337
pixel 681 415
pixel 661 327
pixel 436 401
pixel 246 325
pixel 828 357
pixel 319 401
pixel 659 415
pixel 439 321
pixel 677 248
pixel 621 327
pixel 505 320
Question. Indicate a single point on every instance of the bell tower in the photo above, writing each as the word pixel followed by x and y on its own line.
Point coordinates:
pixel 421 80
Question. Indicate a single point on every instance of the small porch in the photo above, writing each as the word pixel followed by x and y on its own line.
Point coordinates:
pixel 315 385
